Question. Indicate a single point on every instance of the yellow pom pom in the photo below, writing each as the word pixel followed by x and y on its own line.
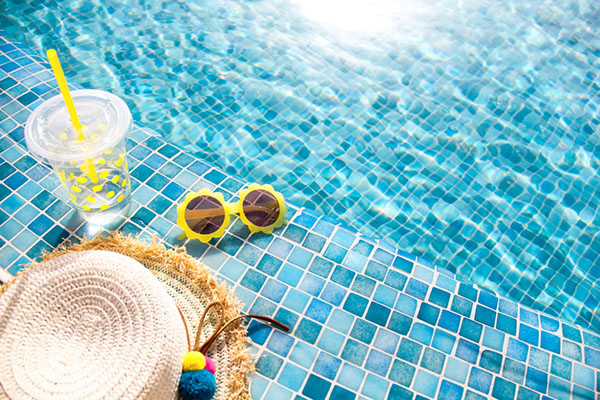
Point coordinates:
pixel 193 361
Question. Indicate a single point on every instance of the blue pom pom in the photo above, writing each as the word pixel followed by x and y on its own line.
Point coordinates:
pixel 197 385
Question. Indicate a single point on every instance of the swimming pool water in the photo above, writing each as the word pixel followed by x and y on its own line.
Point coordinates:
pixel 465 133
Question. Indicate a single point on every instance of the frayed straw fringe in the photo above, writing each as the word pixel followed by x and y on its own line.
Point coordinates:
pixel 234 367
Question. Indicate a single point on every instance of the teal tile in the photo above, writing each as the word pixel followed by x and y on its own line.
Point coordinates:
pixel 470 330
pixel 426 383
pixel 490 361
pixel 439 297
pixel 340 321
pixel 316 388
pixel 303 354
pixel 376 270
pixel 457 370
pixel 351 376
pixel 409 351
pixel 514 371
pixel 503 389
pixel 433 360
pixel 375 387
pixel 331 341
pixel 561 367
pixel 402 373
pixel 363 285
pixel 268 365
pixel 354 352
pixel 406 304
pixel 443 341
pixel 292 376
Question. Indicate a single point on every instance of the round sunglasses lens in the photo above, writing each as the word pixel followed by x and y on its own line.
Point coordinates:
pixel 261 208
pixel 204 215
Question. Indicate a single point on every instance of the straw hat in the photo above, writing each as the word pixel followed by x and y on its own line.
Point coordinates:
pixel 100 320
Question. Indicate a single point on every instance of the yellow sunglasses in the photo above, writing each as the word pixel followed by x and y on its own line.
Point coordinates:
pixel 205 214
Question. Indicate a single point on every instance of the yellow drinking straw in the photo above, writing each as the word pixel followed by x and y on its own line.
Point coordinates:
pixel 64 90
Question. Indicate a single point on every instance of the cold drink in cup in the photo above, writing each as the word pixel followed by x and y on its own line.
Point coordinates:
pixel 93 170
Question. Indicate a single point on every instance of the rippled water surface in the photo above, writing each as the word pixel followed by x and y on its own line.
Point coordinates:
pixel 464 132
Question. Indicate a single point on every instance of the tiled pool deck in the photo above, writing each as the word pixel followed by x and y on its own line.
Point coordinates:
pixel 367 321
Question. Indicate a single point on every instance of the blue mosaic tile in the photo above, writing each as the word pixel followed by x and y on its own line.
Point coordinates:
pixel 335 253
pixel 457 370
pixel 398 392
pixel 406 304
pixel 467 351
pixel 421 333
pixel 340 321
pixel 583 376
pixel 549 324
pixel 321 267
pixel 450 391
pixel 539 359
pixel 342 276
pixel 333 294
pixel 375 387
pixel 292 377
pixel 506 324
pixel 417 289
pixel 378 362
pixel 400 323
pixel 274 290
pixel 287 317
pixel 327 365
pixel 480 380
pixel 303 354
pixel 363 285
pixel 351 376
pixel 514 371
pixel 300 257
pixel 312 284
pixel 485 316
pixel 378 314
pixel 356 304
pixel 363 331
pixel 592 357
pixel 268 365
pixel 443 341
pixel 517 350
pixel 290 275
pixel 528 317
pixel 314 242
pixel 571 333
pixel 280 343
pixel 308 330
pixel 490 361
pixel 354 352
pixel 571 350
pixel 550 342
pixel 503 390
pixel 471 330
pixel 426 383
pixel 339 392
pixel 318 310
pixel 331 341
pixel 278 392
pixel 449 320
pixel 536 380
pixel 462 306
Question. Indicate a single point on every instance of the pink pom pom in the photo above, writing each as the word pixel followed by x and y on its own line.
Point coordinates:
pixel 210 365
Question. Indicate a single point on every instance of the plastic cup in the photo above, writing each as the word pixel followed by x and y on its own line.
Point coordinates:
pixel 93 171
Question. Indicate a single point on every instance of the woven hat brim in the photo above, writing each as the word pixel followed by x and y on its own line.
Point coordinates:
pixel 192 286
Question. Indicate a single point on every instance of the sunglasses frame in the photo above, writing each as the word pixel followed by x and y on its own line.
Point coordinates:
pixel 230 208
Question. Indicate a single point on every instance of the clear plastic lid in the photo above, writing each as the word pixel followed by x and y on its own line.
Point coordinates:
pixel 50 135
